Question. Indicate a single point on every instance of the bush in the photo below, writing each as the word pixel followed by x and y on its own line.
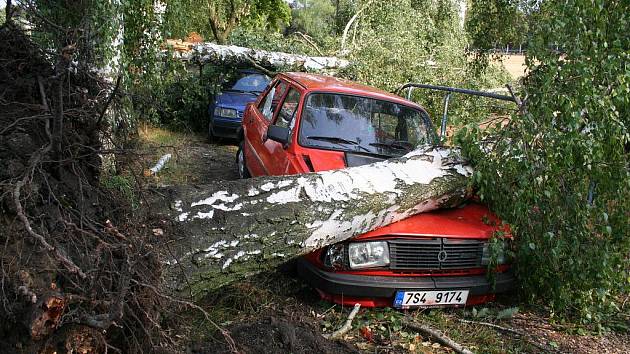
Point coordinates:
pixel 568 147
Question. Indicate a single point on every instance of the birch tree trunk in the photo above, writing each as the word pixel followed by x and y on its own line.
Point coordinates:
pixel 235 55
pixel 230 230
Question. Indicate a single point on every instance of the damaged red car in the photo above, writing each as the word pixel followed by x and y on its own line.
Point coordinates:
pixel 307 123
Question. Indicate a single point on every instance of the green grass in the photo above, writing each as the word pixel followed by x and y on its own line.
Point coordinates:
pixel 156 142
pixel 123 184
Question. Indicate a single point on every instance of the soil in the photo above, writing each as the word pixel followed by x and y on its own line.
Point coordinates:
pixel 273 335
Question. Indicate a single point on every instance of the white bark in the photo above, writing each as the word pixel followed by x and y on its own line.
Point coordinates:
pixel 230 54
pixel 229 230
pixel 343 50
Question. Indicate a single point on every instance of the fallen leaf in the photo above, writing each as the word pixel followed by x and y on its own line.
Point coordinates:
pixel 366 333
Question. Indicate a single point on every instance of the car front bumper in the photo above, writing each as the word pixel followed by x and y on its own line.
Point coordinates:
pixel 363 286
pixel 225 127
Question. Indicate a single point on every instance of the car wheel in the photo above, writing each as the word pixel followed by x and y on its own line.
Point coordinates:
pixel 243 172
pixel 211 137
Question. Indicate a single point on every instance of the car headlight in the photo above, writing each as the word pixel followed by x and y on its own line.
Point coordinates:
pixel 498 248
pixel 225 112
pixel 368 254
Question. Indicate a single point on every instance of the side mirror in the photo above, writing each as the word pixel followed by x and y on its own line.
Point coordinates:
pixel 279 134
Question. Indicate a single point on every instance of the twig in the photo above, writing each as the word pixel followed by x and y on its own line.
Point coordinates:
pixel 517 99
pixel 42 93
pixel 260 67
pixel 346 326
pixel 226 334
pixel 305 37
pixel 19 120
pixel 511 331
pixel 109 101
pixel 437 335
pixel 72 268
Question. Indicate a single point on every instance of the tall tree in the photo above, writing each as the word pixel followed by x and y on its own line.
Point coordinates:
pixel 218 18
pixel 491 23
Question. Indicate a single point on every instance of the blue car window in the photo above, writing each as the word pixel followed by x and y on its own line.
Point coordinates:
pixel 251 83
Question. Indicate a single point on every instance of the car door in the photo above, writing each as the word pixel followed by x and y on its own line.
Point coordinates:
pixel 259 119
pixel 275 155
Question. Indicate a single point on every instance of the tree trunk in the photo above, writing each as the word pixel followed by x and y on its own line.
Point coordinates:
pixel 234 55
pixel 230 230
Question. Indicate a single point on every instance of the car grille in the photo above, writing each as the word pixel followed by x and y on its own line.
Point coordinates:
pixel 435 254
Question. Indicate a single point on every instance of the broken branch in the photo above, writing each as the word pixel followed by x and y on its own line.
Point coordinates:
pixel 346 326
pixel 437 336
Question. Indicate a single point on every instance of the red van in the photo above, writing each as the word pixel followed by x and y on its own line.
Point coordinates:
pixel 307 123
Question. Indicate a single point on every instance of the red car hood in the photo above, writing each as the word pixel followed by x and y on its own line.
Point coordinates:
pixel 472 221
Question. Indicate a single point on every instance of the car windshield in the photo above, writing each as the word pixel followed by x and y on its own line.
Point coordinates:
pixel 247 82
pixel 354 123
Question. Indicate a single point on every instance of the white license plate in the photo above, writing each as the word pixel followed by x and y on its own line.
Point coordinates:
pixel 407 299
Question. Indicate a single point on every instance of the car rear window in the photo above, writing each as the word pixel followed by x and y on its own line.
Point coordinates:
pixel 356 123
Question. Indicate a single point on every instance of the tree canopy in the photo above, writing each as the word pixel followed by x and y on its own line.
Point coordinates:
pixel 217 19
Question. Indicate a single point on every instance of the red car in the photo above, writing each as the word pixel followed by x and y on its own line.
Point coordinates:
pixel 308 123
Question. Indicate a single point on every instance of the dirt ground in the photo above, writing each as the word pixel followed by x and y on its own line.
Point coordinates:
pixel 514 64
pixel 278 313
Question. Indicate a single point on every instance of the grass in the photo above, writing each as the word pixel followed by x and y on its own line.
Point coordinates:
pixel 155 142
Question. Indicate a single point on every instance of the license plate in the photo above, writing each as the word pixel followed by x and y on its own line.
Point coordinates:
pixel 407 299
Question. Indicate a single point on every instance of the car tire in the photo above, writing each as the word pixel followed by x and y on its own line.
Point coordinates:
pixel 241 165
pixel 211 138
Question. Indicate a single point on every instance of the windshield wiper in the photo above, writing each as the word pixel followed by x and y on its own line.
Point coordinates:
pixel 337 140
pixel 395 145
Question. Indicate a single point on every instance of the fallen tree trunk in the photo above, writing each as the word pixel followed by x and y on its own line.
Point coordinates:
pixel 233 229
pixel 234 55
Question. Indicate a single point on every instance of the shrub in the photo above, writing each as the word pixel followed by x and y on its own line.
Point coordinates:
pixel 559 172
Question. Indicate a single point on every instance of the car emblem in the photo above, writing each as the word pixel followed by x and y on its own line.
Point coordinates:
pixel 442 256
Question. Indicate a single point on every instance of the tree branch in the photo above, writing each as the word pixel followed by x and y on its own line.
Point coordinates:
pixel 109 101
pixel 346 326
pixel 348 25
pixel 436 335
pixel 70 265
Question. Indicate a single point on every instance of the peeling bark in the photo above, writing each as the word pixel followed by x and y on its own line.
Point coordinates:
pixel 230 230
pixel 234 55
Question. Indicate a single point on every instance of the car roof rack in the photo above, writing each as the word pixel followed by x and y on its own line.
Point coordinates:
pixel 450 90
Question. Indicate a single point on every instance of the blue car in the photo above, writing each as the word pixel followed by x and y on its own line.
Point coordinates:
pixel 226 112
